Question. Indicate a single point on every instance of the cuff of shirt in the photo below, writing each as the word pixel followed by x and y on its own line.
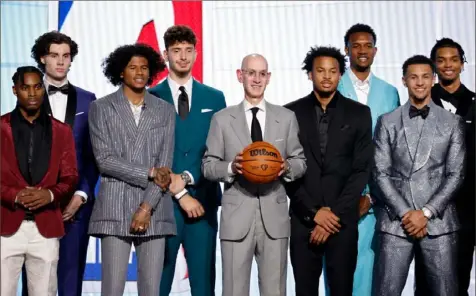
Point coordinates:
pixel 230 176
pixel 431 209
pixel 52 196
pixel 192 181
pixel 288 173
pixel 81 193
pixel 371 200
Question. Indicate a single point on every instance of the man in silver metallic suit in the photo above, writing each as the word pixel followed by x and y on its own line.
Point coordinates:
pixel 419 165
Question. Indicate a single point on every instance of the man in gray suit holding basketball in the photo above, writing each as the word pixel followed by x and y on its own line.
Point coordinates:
pixel 254 218
pixel 132 135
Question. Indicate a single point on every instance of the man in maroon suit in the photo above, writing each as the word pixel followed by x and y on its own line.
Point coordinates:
pixel 38 175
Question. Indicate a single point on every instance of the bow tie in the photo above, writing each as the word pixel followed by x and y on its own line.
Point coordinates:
pixel 423 112
pixel 53 89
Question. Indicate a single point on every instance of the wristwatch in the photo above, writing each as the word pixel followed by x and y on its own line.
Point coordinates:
pixel 427 213
pixel 186 178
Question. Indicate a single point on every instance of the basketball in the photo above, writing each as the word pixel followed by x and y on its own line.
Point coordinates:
pixel 261 162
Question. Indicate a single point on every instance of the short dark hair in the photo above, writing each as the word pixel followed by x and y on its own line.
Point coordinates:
pixel 418 60
pixel 19 75
pixel 43 43
pixel 359 28
pixel 447 42
pixel 117 61
pixel 323 51
pixel 179 33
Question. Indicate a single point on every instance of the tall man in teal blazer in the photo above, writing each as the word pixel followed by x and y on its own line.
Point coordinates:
pixel 196 199
pixel 361 85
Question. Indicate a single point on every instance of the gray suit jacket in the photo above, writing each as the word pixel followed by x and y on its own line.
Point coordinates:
pixel 228 135
pixel 412 171
pixel 124 154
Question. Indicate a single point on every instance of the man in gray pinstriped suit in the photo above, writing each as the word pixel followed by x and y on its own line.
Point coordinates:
pixel 132 134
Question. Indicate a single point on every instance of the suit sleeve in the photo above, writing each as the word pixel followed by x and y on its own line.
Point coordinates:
pixel 454 172
pixel 9 193
pixel 361 166
pixel 214 167
pixel 153 192
pixel 195 170
pixel 89 174
pixel 108 162
pixel 295 152
pixel 382 182
pixel 68 172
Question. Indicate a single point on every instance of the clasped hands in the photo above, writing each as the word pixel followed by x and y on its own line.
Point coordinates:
pixel 414 222
pixel 33 198
pixel 236 166
pixel 327 223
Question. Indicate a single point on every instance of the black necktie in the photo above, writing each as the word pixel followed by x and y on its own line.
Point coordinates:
pixel 256 134
pixel 423 112
pixel 53 89
pixel 183 109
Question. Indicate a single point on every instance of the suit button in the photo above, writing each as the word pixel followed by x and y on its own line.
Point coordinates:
pixel 307 218
pixel 185 154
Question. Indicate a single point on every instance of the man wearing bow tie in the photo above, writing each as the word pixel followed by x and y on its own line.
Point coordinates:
pixel 418 169
pixel 54 52
pixel 455 97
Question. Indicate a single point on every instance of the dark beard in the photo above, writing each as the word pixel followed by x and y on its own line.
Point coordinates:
pixel 324 94
pixel 445 82
pixel 360 68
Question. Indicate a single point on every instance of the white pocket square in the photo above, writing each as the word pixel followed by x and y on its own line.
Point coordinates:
pixel 468 121
pixel 206 110
pixel 79 113
pixel 279 140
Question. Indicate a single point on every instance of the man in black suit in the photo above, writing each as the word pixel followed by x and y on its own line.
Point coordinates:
pixel 450 94
pixel 336 134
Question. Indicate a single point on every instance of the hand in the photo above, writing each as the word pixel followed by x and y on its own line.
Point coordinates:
pixel 236 164
pixel 72 207
pixel 421 234
pixel 23 194
pixel 364 205
pixel 177 183
pixel 141 218
pixel 319 235
pixel 284 168
pixel 327 220
pixel 162 177
pixel 35 198
pixel 414 221
pixel 191 206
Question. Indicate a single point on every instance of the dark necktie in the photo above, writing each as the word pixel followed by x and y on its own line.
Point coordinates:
pixel 256 134
pixel 183 109
pixel 53 89
pixel 423 112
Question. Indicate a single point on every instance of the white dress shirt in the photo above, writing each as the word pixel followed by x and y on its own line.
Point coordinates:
pixel 58 103
pixel 174 88
pixel 362 88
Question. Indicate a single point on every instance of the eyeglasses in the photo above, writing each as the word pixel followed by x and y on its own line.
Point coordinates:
pixel 254 74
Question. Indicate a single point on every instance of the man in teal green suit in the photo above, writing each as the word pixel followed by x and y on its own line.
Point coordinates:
pixel 361 85
pixel 196 199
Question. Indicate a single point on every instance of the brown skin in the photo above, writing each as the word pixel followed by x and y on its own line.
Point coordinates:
pixel 419 80
pixel 364 205
pixel 414 223
pixel 361 51
pixel 325 76
pixel 449 67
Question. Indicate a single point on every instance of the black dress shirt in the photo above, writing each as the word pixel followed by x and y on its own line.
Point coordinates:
pixel 323 120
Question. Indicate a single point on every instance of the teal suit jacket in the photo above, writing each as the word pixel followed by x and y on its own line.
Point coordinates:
pixel 191 135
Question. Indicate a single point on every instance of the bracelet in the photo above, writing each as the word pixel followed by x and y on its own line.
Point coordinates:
pixel 144 210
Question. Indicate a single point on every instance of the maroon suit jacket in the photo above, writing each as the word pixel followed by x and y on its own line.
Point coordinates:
pixel 61 178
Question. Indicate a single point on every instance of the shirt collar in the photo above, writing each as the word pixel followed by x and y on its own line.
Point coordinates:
pixel 357 81
pixel 261 106
pixel 47 83
pixel 174 86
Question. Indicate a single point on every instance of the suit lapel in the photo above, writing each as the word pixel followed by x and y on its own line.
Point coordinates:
pixel 334 128
pixel 121 104
pixel 426 139
pixel 411 131
pixel 13 164
pixel 271 125
pixel 71 105
pixel 311 124
pixel 347 89
pixel 165 92
pixel 240 126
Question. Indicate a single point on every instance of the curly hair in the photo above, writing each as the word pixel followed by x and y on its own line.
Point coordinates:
pixel 117 61
pixel 19 75
pixel 323 51
pixel 43 43
pixel 359 28
pixel 418 60
pixel 179 33
pixel 447 42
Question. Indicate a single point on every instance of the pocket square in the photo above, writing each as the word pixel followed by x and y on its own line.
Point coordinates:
pixel 344 127
pixel 79 113
pixel 206 110
pixel 468 121
pixel 279 140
